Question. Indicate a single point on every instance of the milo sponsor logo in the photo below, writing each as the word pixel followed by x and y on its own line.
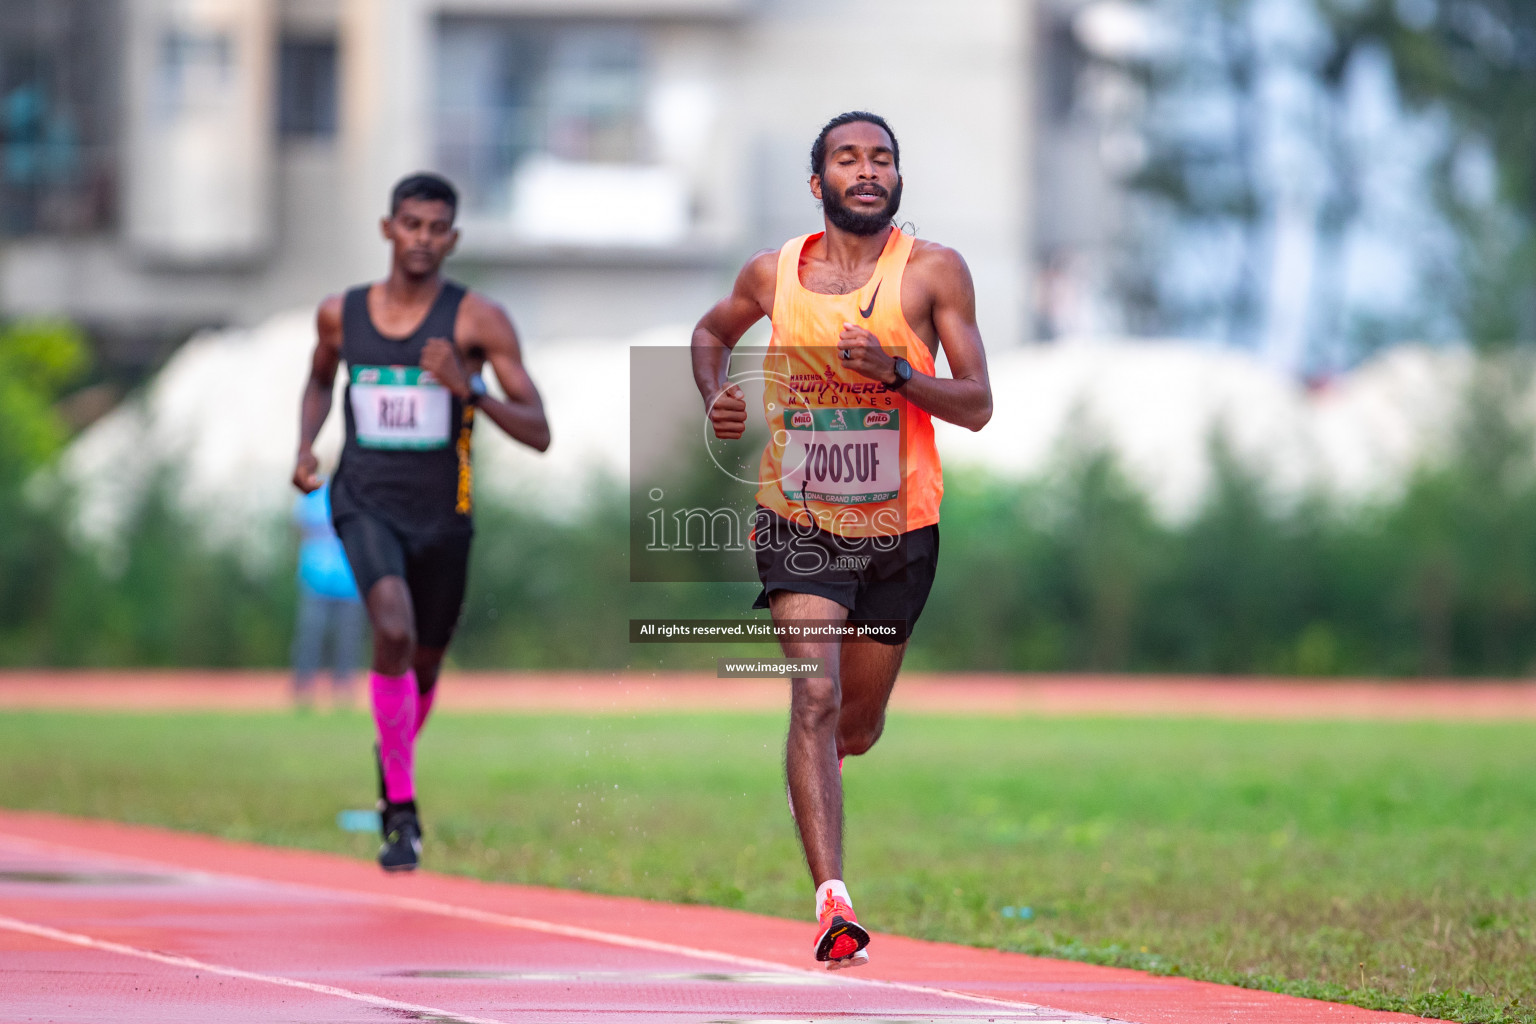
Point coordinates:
pixel 393 376
pixel 851 420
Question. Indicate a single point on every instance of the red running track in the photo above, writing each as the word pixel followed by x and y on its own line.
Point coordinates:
pixel 105 922
pixel 917 693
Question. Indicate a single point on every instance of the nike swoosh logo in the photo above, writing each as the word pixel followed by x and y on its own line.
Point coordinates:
pixel 865 313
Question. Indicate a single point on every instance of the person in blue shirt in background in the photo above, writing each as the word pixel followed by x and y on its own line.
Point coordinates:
pixel 328 603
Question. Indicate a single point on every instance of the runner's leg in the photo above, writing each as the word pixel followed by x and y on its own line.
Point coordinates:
pixel 392 684
pixel 438 571
pixel 810 753
pixel 898 590
pixel 376 553
pixel 868 676
pixel 394 626
pixel 429 662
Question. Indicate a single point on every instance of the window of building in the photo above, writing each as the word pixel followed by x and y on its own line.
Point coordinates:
pixel 58 106
pixel 194 71
pixel 306 89
pixel 544 128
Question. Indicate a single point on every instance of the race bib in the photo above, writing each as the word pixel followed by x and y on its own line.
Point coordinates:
pixel 400 407
pixel 842 456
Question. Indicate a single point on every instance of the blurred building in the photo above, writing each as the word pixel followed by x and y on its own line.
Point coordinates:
pixel 1089 115
pixel 168 164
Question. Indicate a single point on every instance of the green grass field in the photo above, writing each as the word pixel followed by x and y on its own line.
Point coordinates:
pixel 1390 865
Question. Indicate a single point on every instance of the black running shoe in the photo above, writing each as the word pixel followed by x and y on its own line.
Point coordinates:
pixel 402 838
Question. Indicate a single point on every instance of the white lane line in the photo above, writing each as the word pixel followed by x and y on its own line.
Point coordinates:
pixel 654 946
pixel 588 934
pixel 75 939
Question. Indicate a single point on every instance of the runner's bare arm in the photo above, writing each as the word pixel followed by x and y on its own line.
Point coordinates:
pixel 716 335
pixel 965 397
pixel 315 406
pixel 485 330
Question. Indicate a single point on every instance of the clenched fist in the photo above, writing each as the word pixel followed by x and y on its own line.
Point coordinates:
pixel 306 472
pixel 860 351
pixel 440 358
pixel 728 413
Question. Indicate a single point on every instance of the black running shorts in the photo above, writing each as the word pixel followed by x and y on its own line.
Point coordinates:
pixel 873 577
pixel 435 568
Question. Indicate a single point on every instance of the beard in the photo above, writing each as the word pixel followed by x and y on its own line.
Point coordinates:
pixel 846 218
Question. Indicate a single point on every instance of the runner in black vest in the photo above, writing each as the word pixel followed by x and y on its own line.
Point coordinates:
pixel 402 498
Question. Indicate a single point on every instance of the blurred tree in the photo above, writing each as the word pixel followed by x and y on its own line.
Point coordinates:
pixel 1200 175
pixel 39 359
pixel 1462 535
pixel 1236 602
pixel 1251 183
pixel 1327 176
pixel 1107 545
pixel 1475 62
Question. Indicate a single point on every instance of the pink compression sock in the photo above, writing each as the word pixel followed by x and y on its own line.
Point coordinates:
pixel 394 714
pixel 423 708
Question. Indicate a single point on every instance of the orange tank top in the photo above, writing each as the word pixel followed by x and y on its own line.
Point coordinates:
pixel 858 459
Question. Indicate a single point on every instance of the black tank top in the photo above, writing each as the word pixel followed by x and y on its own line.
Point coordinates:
pixel 406 458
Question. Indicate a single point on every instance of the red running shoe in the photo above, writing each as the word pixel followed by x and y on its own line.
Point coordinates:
pixel 842 939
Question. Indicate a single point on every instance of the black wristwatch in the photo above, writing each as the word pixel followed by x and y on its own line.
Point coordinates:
pixel 476 390
pixel 903 374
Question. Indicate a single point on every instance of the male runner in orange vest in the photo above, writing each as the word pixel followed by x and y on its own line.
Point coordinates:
pixel 402 498
pixel 850 483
